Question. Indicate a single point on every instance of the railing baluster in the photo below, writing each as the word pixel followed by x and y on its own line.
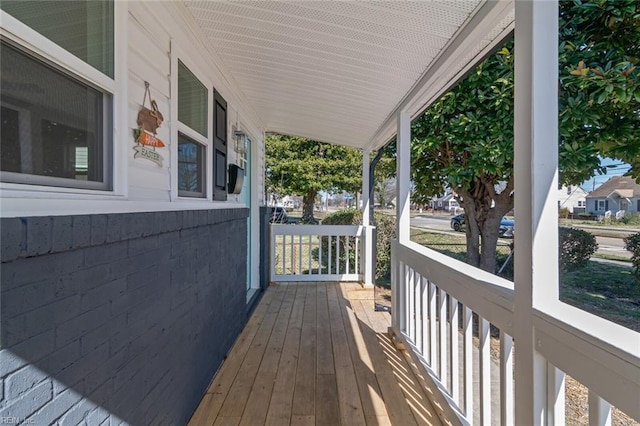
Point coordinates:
pixel 310 251
pixel 599 410
pixel 433 315
pixel 424 295
pixel 419 315
pixel 293 256
pixel 555 395
pixel 320 242
pixel 346 243
pixel 357 255
pixel 485 371
pixel 405 296
pixel 330 263
pixel 411 305
pixel 507 401
pixel 455 355
pixel 442 336
pixel 284 254
pixel 299 254
pixel 337 254
pixel 468 363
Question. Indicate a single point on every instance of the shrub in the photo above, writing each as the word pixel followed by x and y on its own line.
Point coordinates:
pixel 632 243
pixel 386 232
pixel 587 216
pixel 576 247
pixel 564 213
pixel 631 219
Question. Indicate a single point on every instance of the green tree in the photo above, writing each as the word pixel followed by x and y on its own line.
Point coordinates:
pixel 465 140
pixel 304 167
pixel 599 86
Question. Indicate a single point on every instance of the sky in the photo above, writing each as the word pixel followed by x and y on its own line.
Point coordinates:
pixel 615 168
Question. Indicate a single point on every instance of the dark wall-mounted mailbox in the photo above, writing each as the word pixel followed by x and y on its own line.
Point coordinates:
pixel 236 178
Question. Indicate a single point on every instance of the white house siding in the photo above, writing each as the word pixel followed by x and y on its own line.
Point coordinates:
pixel 154 30
pixel 149 60
pixel 571 197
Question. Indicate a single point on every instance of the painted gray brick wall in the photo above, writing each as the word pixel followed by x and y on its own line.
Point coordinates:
pixel 117 318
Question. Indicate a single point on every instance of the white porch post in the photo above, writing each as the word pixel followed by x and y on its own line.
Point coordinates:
pixel 403 163
pixel 366 221
pixel 536 177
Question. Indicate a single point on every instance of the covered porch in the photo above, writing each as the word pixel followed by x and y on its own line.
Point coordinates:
pixel 152 282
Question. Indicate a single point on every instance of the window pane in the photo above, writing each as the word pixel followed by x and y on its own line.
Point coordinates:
pixel 192 100
pixel 221 123
pixel 84 28
pixel 221 169
pixel 190 167
pixel 52 124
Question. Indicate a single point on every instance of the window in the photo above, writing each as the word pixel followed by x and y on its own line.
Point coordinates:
pixel 192 100
pixel 220 148
pixel 84 28
pixel 54 126
pixel 582 203
pixel 191 167
pixel 602 205
pixel 192 139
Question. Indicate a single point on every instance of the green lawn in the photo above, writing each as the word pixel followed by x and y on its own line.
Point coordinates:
pixel 606 290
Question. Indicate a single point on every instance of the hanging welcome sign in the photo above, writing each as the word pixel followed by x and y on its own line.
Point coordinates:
pixel 145 135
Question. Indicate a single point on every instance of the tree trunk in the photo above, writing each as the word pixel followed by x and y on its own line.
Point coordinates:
pixel 472 232
pixel 484 210
pixel 489 241
pixel 308 201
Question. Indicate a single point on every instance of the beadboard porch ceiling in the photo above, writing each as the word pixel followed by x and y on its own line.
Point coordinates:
pixel 337 71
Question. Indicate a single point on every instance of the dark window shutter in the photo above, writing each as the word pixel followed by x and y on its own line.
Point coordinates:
pixel 219 148
pixel 606 205
pixel 638 208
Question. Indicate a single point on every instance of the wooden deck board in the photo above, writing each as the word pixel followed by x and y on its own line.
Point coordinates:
pixel 256 412
pixel 315 354
pixel 282 398
pixel 238 395
pixel 351 412
pixel 304 394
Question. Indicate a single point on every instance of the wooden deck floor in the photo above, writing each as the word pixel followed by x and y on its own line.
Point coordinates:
pixel 315 354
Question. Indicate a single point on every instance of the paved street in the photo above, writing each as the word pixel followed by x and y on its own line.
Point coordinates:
pixel 607 245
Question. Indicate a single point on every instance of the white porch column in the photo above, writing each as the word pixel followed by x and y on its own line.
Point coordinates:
pixel 536 177
pixel 366 221
pixel 403 164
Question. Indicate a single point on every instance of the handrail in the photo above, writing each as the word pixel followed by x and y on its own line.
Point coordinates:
pixel 321 230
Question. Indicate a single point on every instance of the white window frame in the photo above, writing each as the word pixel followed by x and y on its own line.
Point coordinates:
pixel 39 46
pixel 189 194
pixel 178 127
pixel 600 203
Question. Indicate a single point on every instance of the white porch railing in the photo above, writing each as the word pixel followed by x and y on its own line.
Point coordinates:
pixel 317 252
pixel 446 312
